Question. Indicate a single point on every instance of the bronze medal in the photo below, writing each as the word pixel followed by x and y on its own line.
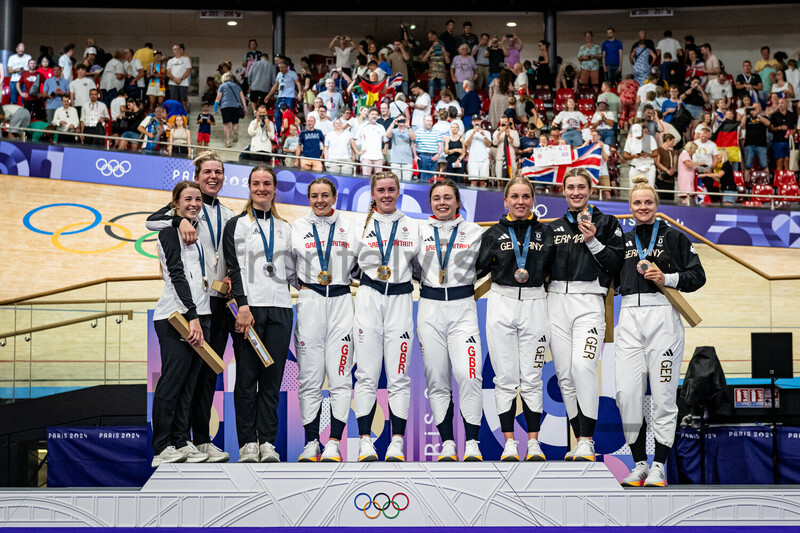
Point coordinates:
pixel 643 266
pixel 521 275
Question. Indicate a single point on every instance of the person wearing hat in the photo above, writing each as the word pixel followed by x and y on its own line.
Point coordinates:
pixel 603 121
pixel 640 152
pixel 92 69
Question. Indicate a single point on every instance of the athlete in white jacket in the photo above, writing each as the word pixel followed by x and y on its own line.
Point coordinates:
pixel 323 245
pixel 447 319
pixel 258 251
pixel 383 324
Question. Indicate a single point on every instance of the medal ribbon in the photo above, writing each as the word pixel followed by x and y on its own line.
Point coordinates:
pixel 443 262
pixel 268 246
pixel 389 245
pixel 521 256
pixel 202 255
pixel 215 239
pixel 325 260
pixel 643 254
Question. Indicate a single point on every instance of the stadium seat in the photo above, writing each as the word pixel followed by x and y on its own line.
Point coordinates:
pixel 559 106
pixel 762 189
pixel 784 177
pixel 759 177
pixel 790 189
pixel 586 105
pixel 545 95
pixel 587 92
pixel 563 94
pixel 752 203
pixel 738 178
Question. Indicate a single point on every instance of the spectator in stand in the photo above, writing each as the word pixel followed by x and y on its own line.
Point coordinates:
pixel 398 63
pixel 428 147
pixel 499 90
pixel 156 80
pixel 711 64
pixel 707 121
pixel 113 78
pixel 590 54
pixel 793 76
pixel 627 90
pixel 482 61
pixel 401 138
pixel 307 94
pixel 290 144
pixel 686 168
pixel 53 90
pixel 65 119
pixel 666 168
pixel 442 127
pixel 468 38
pixel 117 109
pixel 772 103
pixel 669 107
pixel 342 47
pixel 755 124
pixel 28 88
pixel 719 88
pixel 421 106
pixel 455 152
pixel 478 142
pixel 543 75
pixel 470 103
pixel 647 42
pixel 309 145
pixel 513 44
pixel 640 152
pixel 506 141
pixel 45 72
pixel 695 68
pixel 612 55
pixel 720 179
pixel 179 138
pixel 437 57
pixel 79 89
pixel 782 124
pixel 781 86
pixel 449 40
pixel 670 46
pixel 331 99
pixel 17 118
pixel 463 68
pixel 65 61
pixel 324 123
pixel 527 143
pixel 399 107
pixel 765 61
pixel 671 71
pixel 17 64
pixel 497 54
pixel 152 127
pixel 652 84
pixel 642 57
pixel 146 56
pixel 204 122
pixel 689 44
pixel 694 99
pixel 447 101
pixel 603 122
pixel 93 117
pixel 571 121
pixel 90 62
pixel 252 55
pixel 337 152
pixel 520 79
pixel 613 100
pixel 262 134
pixel 261 78
pixel 287 86
pixel 748 83
pixel 230 101
pixel 707 153
pixel 134 81
pixel 179 70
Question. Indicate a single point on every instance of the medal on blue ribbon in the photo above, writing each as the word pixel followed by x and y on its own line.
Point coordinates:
pixel 324 277
pixel 643 265
pixel 384 272
pixel 216 238
pixel 269 267
pixel 443 261
pixel 202 254
pixel 520 275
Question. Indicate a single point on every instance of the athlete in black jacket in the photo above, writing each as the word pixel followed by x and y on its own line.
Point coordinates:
pixel 589 252
pixel 518 252
pixel 650 334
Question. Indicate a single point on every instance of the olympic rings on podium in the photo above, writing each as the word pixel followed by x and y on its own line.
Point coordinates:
pixel 26 220
pixel 58 233
pixel 381 507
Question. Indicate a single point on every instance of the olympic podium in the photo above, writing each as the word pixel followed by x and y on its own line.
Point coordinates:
pixel 398 495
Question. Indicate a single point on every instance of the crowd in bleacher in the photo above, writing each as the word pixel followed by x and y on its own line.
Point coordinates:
pixel 463 104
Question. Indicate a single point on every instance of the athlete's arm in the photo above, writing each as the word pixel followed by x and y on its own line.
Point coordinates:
pixel 165 218
pixel 171 245
pixel 485 257
pixel 610 254
pixel 232 262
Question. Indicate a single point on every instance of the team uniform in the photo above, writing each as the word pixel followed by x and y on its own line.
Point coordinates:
pixel 447 327
pixel 649 341
pixel 581 275
pixel 210 224
pixel 517 328
pixel 183 292
pixel 260 267
pixel 323 335
pixel 383 324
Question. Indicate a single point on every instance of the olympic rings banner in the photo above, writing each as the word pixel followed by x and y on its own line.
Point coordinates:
pixel 748 227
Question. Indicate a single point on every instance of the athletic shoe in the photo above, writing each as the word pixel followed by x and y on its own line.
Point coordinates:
pixel 472 452
pixel 310 452
pixel 584 451
pixel 448 452
pixel 331 453
pixel 215 455
pixel 535 452
pixel 511 451
pixel 657 477
pixel 366 450
pixel 394 453
pixel 168 455
pixel 268 453
pixel 249 453
pixel 637 476
pixel 571 454
pixel 193 455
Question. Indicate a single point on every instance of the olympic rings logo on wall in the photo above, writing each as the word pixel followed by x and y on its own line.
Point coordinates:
pixel 381 507
pixel 97 220
pixel 112 166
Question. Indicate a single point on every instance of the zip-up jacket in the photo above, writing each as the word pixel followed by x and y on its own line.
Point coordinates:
pixel 460 268
pixel 304 248
pixel 244 254
pixel 581 267
pixel 674 255
pixel 183 278
pixel 406 246
pixel 166 218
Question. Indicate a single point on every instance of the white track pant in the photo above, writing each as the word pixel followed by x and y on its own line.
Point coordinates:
pixel 384 330
pixel 649 342
pixel 324 347
pixel 517 333
pixel 450 342
pixel 577 330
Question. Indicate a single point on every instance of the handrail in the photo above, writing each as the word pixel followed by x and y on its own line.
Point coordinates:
pixel 87 318
pixel 78 286
pixel 94 301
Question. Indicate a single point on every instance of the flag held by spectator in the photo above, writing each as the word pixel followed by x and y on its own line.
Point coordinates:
pixel 394 82
pixel 372 90
pixel 727 137
pixel 588 157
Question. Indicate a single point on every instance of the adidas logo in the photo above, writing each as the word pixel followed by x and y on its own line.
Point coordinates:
pixel 370 234
pixel 558 228
pixel 504 236
pixel 347 339
pixel 629 243
pixel 472 340
pixel 593 331
pixel 429 239
pixel 405 336
pixel 543 339
pixel 308 235
pixel 255 231
pixel 667 354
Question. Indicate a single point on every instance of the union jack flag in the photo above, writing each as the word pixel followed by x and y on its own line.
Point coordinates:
pixel 588 157
pixel 394 82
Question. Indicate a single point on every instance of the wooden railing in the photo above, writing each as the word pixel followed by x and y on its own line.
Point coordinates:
pixel 36 296
pixel 53 325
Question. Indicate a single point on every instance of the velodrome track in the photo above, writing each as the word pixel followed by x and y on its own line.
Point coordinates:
pixel 734 302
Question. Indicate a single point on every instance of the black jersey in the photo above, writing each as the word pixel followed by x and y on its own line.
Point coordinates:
pixel 497 253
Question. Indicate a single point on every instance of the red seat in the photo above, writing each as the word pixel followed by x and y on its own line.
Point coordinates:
pixel 545 95
pixel 586 105
pixel 790 189
pixel 587 92
pixel 563 94
pixel 752 203
pixel 762 189
pixel 784 177
pixel 559 106
pixel 738 178
pixel 538 103
pixel 759 177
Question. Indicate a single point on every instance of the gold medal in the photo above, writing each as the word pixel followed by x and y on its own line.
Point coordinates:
pixel 441 276
pixel 384 272
pixel 324 278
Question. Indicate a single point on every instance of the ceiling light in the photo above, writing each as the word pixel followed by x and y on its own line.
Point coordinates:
pixel 412 27
pixel 232 23
pixel 511 24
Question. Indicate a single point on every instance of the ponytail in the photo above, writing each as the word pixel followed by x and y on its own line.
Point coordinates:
pixel 372 205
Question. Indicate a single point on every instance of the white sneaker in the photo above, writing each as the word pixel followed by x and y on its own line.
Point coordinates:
pixel 215 455
pixel 310 452
pixel 472 452
pixel 535 452
pixel 571 454
pixel 249 453
pixel 584 451
pixel 268 453
pixel 511 451
pixel 637 476
pixel 448 452
pixel 366 450
pixel 394 453
pixel 168 455
pixel 193 455
pixel 657 477
pixel 331 453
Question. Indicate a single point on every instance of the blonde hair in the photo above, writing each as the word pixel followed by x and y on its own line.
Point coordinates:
pixel 641 183
pixel 578 173
pixel 519 180
pixel 204 157
pixel 386 175
pixel 226 77
pixel 690 147
pixel 248 206
pixel 724 156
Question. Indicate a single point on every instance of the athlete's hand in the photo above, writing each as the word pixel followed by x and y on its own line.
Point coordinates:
pixel 188 232
pixel 587 229
pixel 195 333
pixel 227 280
pixel 244 320
pixel 654 274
